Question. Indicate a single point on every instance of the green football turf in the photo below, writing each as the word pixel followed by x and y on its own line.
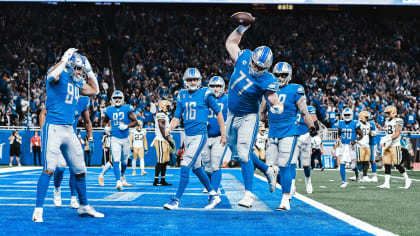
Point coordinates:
pixel 394 209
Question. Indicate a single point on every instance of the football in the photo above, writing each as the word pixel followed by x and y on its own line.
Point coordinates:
pixel 243 18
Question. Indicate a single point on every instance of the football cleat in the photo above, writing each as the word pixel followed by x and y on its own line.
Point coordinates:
pixel 57 197
pixel 205 190
pixel 89 211
pixel 271 176
pixel 73 202
pixel 124 182
pixel 384 186
pixel 308 183
pixel 284 205
pixel 247 200
pixel 352 178
pixel 374 179
pixel 156 183
pixel 164 183
pixel 344 185
pixel 37 215
pixel 407 184
pixel 119 185
pixel 213 201
pixel 101 180
pixel 365 179
pixel 172 204
pixel 143 172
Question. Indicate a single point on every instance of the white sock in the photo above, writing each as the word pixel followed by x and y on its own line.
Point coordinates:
pixel 105 169
pixel 405 175
pixel 134 163
pixel 387 178
pixel 212 192
pixel 293 183
pixel 142 164
pixel 307 180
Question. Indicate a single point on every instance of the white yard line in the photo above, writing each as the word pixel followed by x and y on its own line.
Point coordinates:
pixel 340 215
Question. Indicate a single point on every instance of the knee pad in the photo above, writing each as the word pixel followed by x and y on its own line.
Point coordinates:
pixel 81 175
pixel 387 169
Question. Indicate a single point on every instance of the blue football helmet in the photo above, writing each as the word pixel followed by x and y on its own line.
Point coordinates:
pixel 312 110
pixel 217 81
pixel 283 72
pixel 192 73
pixel 76 62
pixel 261 60
pixel 347 114
pixel 117 94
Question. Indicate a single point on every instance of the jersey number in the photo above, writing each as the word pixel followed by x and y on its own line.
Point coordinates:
pixel 117 117
pixel 71 92
pixel 389 129
pixel 346 133
pixel 190 110
pixel 247 85
pixel 212 114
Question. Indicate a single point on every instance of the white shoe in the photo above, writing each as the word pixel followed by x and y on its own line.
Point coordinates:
pixel 124 182
pixel 271 175
pixel 19 165
pixel 384 186
pixel 101 180
pixel 213 201
pixel 308 183
pixel 344 185
pixel 374 179
pixel 172 204
pixel 407 184
pixel 57 197
pixel 205 190
pixel 284 205
pixel 89 211
pixel 365 179
pixel 247 200
pixel 37 215
pixel 10 165
pixel 352 178
pixel 119 185
pixel 73 203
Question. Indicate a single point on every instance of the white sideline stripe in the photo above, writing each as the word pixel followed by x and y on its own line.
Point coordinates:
pixel 13 169
pixel 340 215
pixel 395 177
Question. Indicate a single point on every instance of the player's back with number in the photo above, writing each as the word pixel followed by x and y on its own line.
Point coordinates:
pixel 245 91
pixel 119 115
pixel 62 98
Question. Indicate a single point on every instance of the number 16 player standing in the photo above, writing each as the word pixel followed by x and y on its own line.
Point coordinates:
pixel 249 82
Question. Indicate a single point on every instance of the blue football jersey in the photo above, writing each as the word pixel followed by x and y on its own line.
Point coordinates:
pixel 213 125
pixel 302 128
pixel 194 109
pixel 119 115
pixel 246 91
pixel 348 130
pixel 82 105
pixel 372 141
pixel 285 124
pixel 62 100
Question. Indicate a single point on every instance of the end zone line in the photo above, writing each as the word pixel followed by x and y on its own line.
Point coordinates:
pixel 340 215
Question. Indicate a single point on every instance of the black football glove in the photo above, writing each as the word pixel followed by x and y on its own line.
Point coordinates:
pixel 313 132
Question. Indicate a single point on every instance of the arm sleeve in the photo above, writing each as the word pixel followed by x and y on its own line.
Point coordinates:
pixel 211 102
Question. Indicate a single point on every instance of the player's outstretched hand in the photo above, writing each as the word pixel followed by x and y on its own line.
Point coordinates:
pixel 122 126
pixel 313 132
pixel 67 54
pixel 87 68
pixel 223 140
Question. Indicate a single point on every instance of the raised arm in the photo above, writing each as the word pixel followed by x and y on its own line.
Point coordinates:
pixel 233 40
pixel 91 87
pixel 53 75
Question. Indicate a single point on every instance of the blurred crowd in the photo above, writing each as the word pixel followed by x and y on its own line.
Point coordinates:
pixel 344 59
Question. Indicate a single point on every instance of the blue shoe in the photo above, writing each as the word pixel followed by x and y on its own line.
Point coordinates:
pixel 172 204
pixel 213 201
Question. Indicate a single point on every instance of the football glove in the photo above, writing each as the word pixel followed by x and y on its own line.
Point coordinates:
pixel 122 126
pixel 91 144
pixel 313 132
pixel 67 54
pixel 87 68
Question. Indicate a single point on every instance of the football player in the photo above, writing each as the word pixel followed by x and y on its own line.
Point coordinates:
pixel 373 148
pixel 138 143
pixel 192 106
pixel 162 143
pixel 249 82
pixel 64 84
pixel 120 117
pixel 348 131
pixel 212 153
pixel 303 150
pixel 261 142
pixel 283 132
pixel 391 145
pixel 106 145
pixel 363 154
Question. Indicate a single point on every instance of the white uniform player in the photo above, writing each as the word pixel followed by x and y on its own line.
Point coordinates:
pixel 138 143
pixel 260 143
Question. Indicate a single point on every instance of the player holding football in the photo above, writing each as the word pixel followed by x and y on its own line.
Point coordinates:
pixel 213 150
pixel 120 117
pixel 192 106
pixel 283 132
pixel 249 82
pixel 64 84
pixel 391 144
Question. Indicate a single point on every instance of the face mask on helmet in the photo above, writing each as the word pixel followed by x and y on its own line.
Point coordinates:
pixel 117 98
pixel 75 67
pixel 390 112
pixel 218 85
pixel 363 116
pixel 164 106
pixel 347 115
pixel 192 79
pixel 283 72
pixel 261 60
